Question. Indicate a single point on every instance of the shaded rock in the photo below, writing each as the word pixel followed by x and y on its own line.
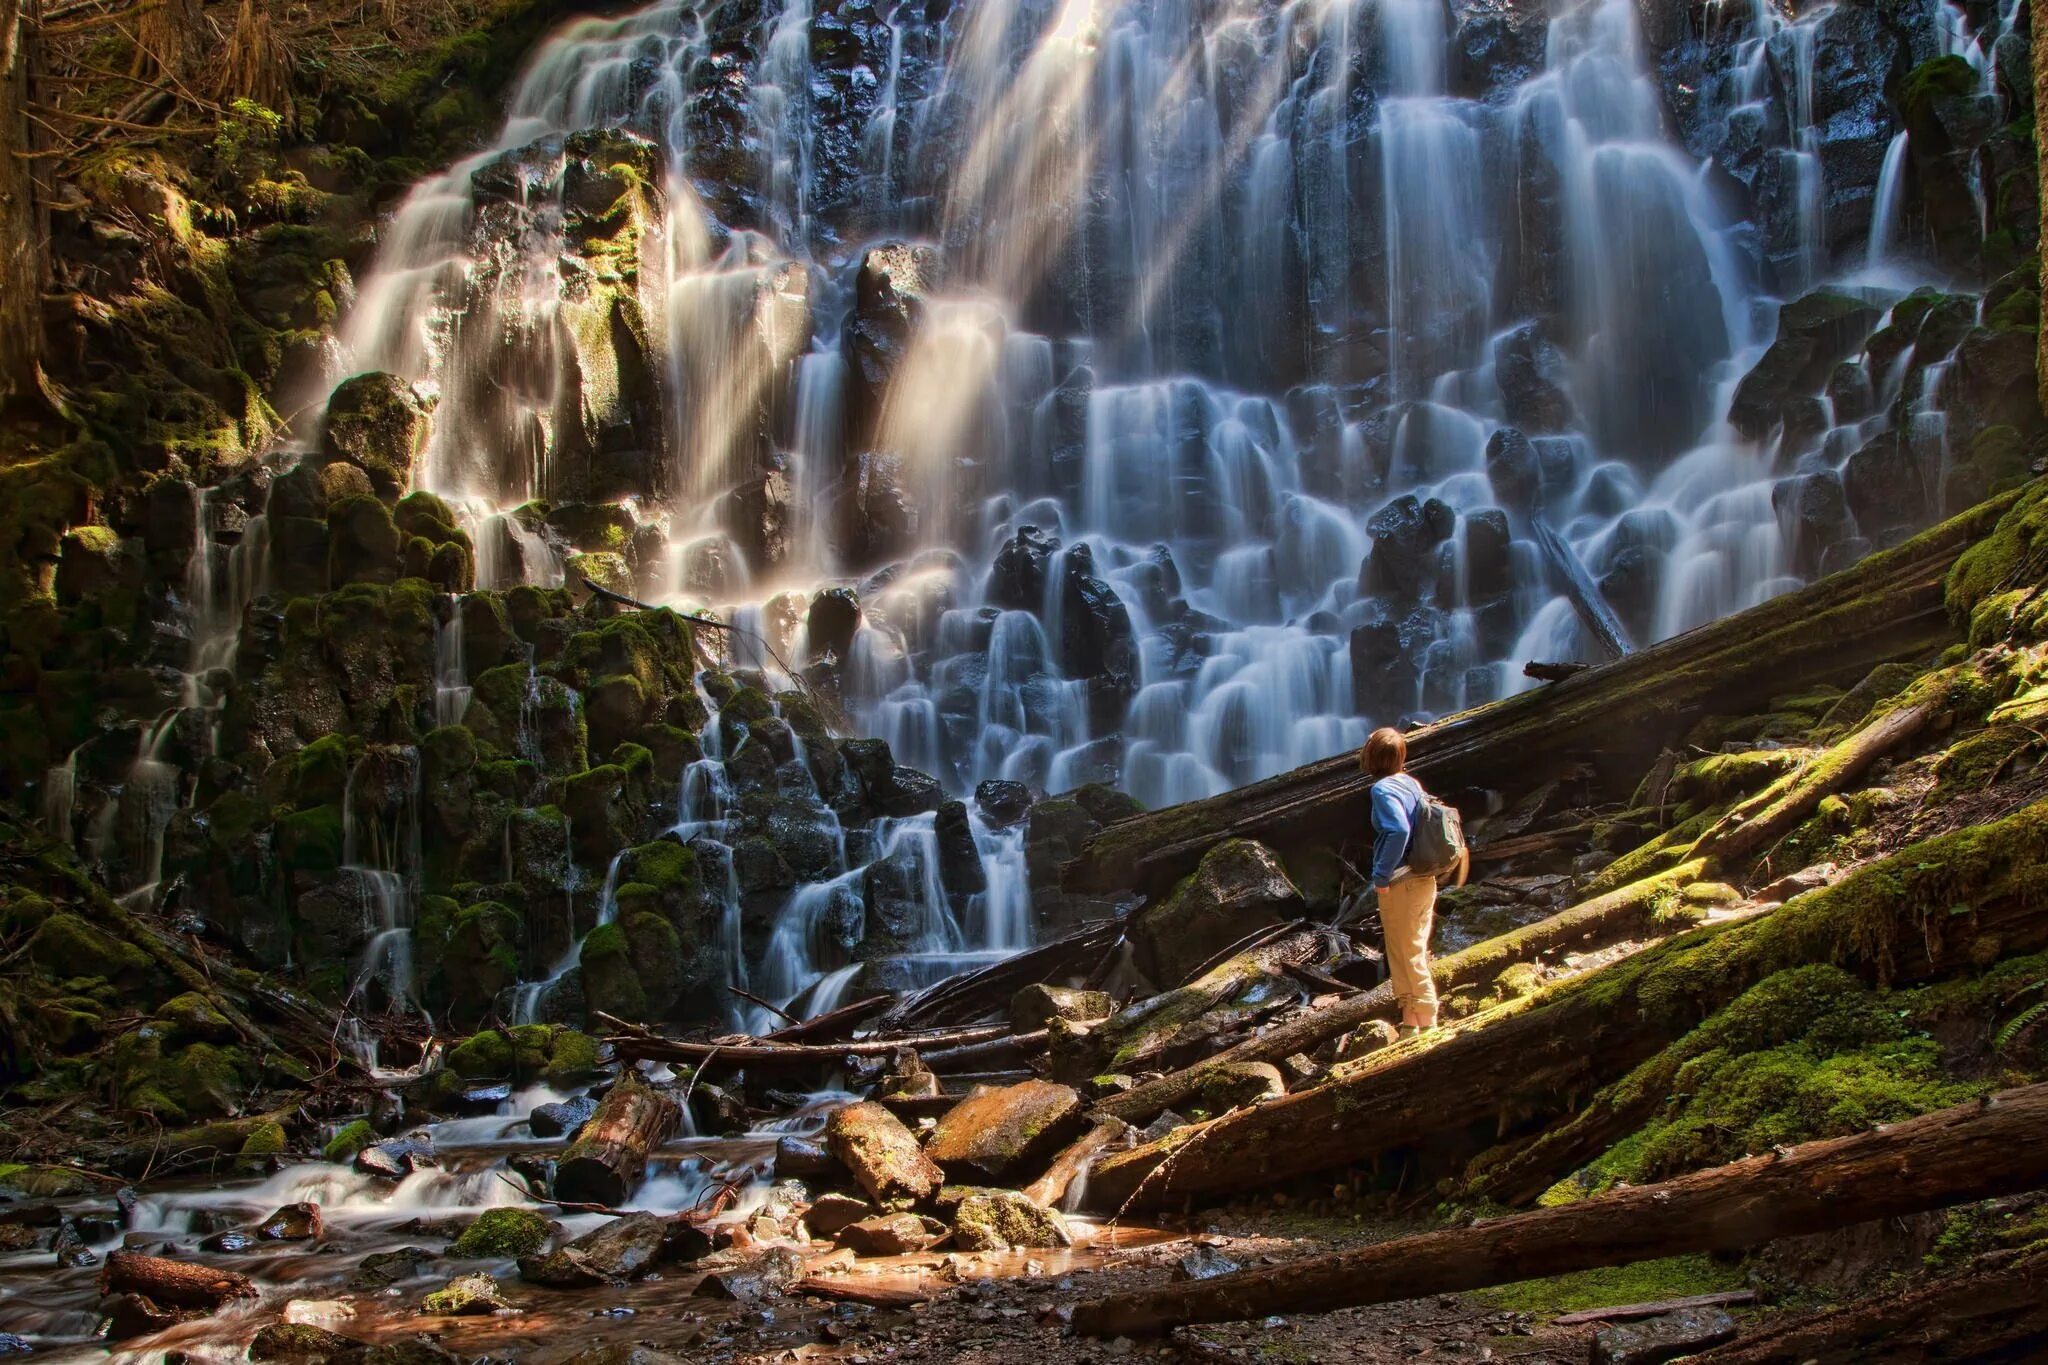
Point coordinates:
pixel 1531 374
pixel 1002 803
pixel 886 1234
pixel 378 423
pixel 1003 1220
pixel 292 1223
pixel 382 1269
pixel 882 1154
pixel 465 1296
pixel 768 1274
pixel 802 1156
pixel 229 1241
pixel 1204 1263
pixel 1095 627
pixel 301 1344
pixel 136 1315
pixel 1652 1341
pixel 623 1353
pixel 562 1118
pixel 398 1158
pixel 829 625
pixel 1238 887
pixel 1816 332
pixel 1017 574
pixel 831 1212
pixel 1405 534
pixel 1037 1005
pixel 997 1131
pixel 621 1249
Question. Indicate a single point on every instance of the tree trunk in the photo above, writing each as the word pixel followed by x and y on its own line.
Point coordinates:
pixel 1070 1165
pixel 604 1164
pixel 178 1284
pixel 1973 1151
pixel 24 221
pixel 1889 921
pixel 1621 714
pixel 1572 579
pixel 1995 1310
pixel 764 1055
pixel 1603 919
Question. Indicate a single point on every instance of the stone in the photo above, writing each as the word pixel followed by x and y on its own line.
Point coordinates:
pixel 1366 1038
pixel 1017 574
pixel 303 1344
pixel 886 1234
pixel 769 1274
pixel 1237 1084
pixel 1002 803
pixel 1238 888
pixel 1096 637
pixel 1406 532
pixel 1816 332
pixel 562 1118
pixel 882 1154
pixel 620 1249
pixel 623 1353
pixel 1037 1005
pixel 502 1233
pixel 292 1223
pixel 830 623
pixel 829 1213
pixel 466 1296
pixel 802 1156
pixel 998 1131
pixel 382 1269
pixel 378 423
pixel 1652 1341
pixel 1204 1263
pixel 398 1158
pixel 1004 1220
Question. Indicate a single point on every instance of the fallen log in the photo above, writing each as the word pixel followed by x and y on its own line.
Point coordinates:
pixel 1568 572
pixel 1973 1151
pixel 766 1055
pixel 1888 606
pixel 1604 918
pixel 855 1289
pixel 839 1023
pixel 1557 672
pixel 605 1162
pixel 177 1284
pixel 967 996
pixel 1072 1163
pixel 968 1053
pixel 1995 1310
pixel 1888 922
pixel 1630 1312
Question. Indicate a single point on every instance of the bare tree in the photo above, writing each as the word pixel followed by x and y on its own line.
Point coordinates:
pixel 24 221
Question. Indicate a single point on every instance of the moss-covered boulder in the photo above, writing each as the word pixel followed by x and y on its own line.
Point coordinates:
pixel 502 1234
pixel 1003 1220
pixel 883 1155
pixel 353 1137
pixel 378 423
pixel 1239 887
pixel 1000 1132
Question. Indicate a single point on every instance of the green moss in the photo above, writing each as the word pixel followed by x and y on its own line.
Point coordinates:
pixel 611 980
pixel 353 1138
pixel 65 947
pixel 310 840
pixel 44 1182
pixel 2014 555
pixel 1674 1277
pixel 572 1056
pixel 265 1142
pixel 501 1233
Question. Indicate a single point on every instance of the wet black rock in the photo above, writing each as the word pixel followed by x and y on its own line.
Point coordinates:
pixel 382 1269
pixel 829 625
pixel 620 1249
pixel 301 1222
pixel 807 1157
pixel 1531 373
pixel 960 869
pixel 1002 803
pixel 1489 560
pixel 1883 487
pixel 561 1119
pixel 1017 576
pixel 1405 534
pixel 1496 48
pixel 230 1241
pixel 1816 510
pixel 1095 627
pixel 889 293
pixel 1815 333
pixel 398 1158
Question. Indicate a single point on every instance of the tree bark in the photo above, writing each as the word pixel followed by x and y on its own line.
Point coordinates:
pixel 1889 606
pixel 24 220
pixel 1995 1310
pixel 766 1055
pixel 1889 921
pixel 1604 918
pixel 1577 585
pixel 179 1284
pixel 839 1023
pixel 605 1163
pixel 1973 1151
pixel 968 996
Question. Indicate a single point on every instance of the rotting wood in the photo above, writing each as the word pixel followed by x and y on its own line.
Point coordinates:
pixel 763 1054
pixel 1532 1057
pixel 1629 1312
pixel 605 1162
pixel 178 1284
pixel 1594 611
pixel 1995 1310
pixel 1888 606
pixel 1973 1151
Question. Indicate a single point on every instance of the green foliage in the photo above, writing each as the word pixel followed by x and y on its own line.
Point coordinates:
pixel 246 141
pixel 1674 1277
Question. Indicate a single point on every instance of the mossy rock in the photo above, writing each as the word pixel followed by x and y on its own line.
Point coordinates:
pixel 353 1137
pixel 378 423
pixel 45 1182
pixel 66 947
pixel 502 1234
pixel 547 1052
pixel 192 1018
pixel 611 980
pixel 310 841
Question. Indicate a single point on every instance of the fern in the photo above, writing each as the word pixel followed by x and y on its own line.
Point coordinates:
pixel 2024 1021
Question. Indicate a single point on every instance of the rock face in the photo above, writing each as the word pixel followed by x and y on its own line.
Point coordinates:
pixel 998 1133
pixel 883 1155
pixel 377 423
pixel 1238 888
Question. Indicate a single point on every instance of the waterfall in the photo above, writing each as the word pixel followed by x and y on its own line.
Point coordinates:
pixel 380 861
pixel 1891 194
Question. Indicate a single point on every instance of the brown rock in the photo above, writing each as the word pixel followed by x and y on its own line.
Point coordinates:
pixel 831 1212
pixel 884 1157
pixel 999 1130
pixel 888 1234
pixel 1037 1005
pixel 293 1223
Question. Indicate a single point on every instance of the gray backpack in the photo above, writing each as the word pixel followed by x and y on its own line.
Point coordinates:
pixel 1436 845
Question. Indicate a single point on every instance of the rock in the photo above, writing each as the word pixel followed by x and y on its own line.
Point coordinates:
pixel 12 1345
pixel 802 1156
pixel 135 1315
pixel 562 1118
pixel 886 1234
pixel 768 1274
pixel 829 625
pixel 229 1241
pixel 1002 803
pixel 1095 627
pixel 623 1353
pixel 622 1248
pixel 1651 1341
pixel 302 1344
pixel 378 423
pixel 999 1130
pixel 960 869
pixel 1531 374
pixel 1405 534
pixel 465 1296
pixel 292 1223
pixel 1237 1084
pixel 1816 332
pixel 1037 1005
pixel 1003 1220
pixel 830 1212
pixel 502 1233
pixel 1204 1263
pixel 1368 1037
pixel 382 1269
pixel 1016 579
pixel 882 1154
pixel 398 1158
pixel 1238 887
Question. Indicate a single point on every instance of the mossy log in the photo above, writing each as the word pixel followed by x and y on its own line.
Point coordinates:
pixel 1621 714
pixel 1973 1151
pixel 605 1162
pixel 176 1284
pixel 1603 919
pixel 968 996
pixel 1995 1310
pixel 1930 909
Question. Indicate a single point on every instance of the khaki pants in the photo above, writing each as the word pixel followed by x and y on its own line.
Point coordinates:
pixel 1407 913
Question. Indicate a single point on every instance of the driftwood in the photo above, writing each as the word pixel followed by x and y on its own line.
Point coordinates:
pixel 1997 1310
pixel 764 1055
pixel 1073 1163
pixel 178 1284
pixel 605 1162
pixel 1603 918
pixel 839 1023
pixel 1535 1057
pixel 1571 578
pixel 967 996
pixel 859 1289
pixel 1973 1151
pixel 1623 714
pixel 967 1053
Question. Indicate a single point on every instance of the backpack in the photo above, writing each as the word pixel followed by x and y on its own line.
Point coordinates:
pixel 1436 845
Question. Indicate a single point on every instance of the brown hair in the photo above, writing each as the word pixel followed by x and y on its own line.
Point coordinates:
pixel 1385 752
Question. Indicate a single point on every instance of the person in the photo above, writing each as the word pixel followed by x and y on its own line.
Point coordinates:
pixel 1407 898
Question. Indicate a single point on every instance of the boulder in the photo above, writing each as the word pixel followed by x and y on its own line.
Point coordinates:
pixel 378 423
pixel 465 1296
pixel 830 623
pixel 829 1213
pixel 802 1156
pixel 1238 888
pixel 293 1223
pixel 1530 372
pixel 1651 1341
pixel 886 1234
pixel 1405 534
pixel 1016 579
pixel 562 1118
pixel 1003 1220
pixel 1002 803
pixel 292 1343
pixel 999 1132
pixel 1038 1004
pixel 620 1249
pixel 883 1155
pixel 1095 627
pixel 1816 332
pixel 502 1233
pixel 769 1274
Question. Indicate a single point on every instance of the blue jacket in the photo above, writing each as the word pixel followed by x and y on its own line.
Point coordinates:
pixel 1395 800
